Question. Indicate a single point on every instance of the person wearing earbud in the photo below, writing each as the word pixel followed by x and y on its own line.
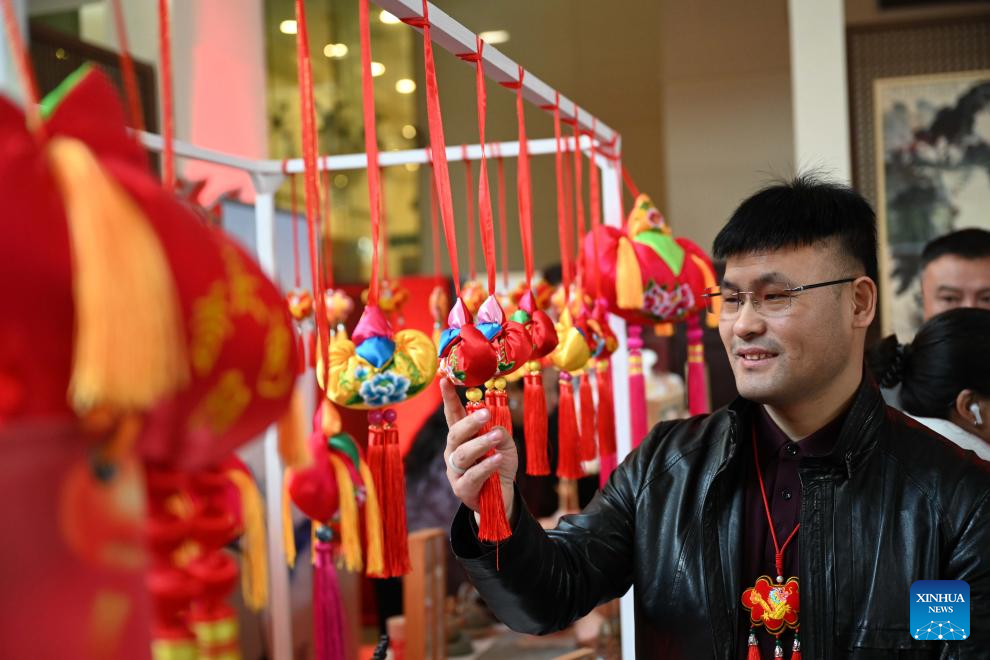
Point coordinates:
pixel 944 375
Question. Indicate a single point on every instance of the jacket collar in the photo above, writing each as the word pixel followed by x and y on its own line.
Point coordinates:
pixel 857 438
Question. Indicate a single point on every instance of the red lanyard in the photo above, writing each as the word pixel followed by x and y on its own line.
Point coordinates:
pixel 778 549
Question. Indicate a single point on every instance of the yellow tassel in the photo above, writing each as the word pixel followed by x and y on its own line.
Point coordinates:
pixel 254 569
pixel 664 329
pixel 288 530
pixel 350 542
pixel 628 279
pixel 373 524
pixel 711 318
pixel 292 434
pixel 130 346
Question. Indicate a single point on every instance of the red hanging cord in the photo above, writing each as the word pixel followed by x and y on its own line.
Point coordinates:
pixel 523 181
pixel 484 192
pixel 578 186
pixel 469 200
pixel 127 69
pixel 503 238
pixel 438 142
pixel 23 61
pixel 371 149
pixel 295 230
pixel 165 82
pixel 310 167
pixel 778 549
pixel 596 207
pixel 434 226
pixel 382 206
pixel 327 238
pixel 562 218
pixel 630 184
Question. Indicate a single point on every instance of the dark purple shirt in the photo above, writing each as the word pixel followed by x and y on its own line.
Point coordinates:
pixel 779 460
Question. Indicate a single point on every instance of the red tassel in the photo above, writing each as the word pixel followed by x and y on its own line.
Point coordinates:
pixel 497 400
pixel 588 451
pixel 606 421
pixel 494 525
pixel 329 639
pixel 796 646
pixel 637 386
pixel 754 646
pixel 697 380
pixel 311 340
pixel 535 427
pixel 385 462
pixel 568 465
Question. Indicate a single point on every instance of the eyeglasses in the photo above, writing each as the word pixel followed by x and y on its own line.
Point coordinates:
pixel 772 301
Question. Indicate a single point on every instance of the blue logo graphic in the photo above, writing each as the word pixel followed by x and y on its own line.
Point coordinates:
pixel 940 610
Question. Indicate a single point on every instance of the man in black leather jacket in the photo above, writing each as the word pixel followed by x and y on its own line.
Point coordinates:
pixel 872 500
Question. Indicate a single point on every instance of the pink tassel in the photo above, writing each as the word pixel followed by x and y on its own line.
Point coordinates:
pixel 697 381
pixel 637 385
pixel 328 608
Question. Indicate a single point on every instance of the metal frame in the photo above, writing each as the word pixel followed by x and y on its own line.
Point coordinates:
pixel 268 175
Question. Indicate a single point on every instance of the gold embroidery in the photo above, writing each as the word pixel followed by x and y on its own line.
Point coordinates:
pixel 244 297
pixel 223 404
pixel 275 377
pixel 210 326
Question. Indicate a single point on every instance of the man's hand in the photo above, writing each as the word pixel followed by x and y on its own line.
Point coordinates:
pixel 467 468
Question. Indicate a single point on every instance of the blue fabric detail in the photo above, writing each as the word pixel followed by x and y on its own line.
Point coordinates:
pixel 489 330
pixel 376 350
pixel 446 337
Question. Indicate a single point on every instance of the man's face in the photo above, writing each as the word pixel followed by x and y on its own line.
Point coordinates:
pixel 952 281
pixel 780 360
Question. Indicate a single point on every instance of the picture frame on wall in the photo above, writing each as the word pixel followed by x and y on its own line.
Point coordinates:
pixel 932 164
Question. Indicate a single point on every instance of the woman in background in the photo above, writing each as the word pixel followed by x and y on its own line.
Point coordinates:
pixel 944 376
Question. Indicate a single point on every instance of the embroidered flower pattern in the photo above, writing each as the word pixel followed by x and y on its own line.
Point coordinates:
pixel 665 305
pixel 383 389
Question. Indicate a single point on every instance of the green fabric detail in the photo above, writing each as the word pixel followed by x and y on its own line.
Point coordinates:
pixel 345 444
pixel 665 246
pixel 54 98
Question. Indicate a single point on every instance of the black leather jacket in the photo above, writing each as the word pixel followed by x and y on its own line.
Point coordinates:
pixel 892 504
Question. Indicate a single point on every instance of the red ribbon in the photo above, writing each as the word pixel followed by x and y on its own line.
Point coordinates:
pixel 596 207
pixel 127 69
pixel 469 197
pixel 578 186
pixel 370 147
pixel 484 193
pixel 384 228
pixel 295 230
pixel 503 240
pixel 524 190
pixel 327 240
pixel 434 226
pixel 310 166
pixel 165 80
pixel 562 218
pixel 438 142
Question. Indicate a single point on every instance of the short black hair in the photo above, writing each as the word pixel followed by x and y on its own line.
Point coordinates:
pixel 966 243
pixel 801 212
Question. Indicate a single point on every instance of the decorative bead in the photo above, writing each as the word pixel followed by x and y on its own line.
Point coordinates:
pixel 390 416
pixel 375 417
pixel 474 394
pixel 796 646
pixel 324 534
pixel 500 384
pixel 778 650
pixel 780 579
pixel 533 365
pixel 490 384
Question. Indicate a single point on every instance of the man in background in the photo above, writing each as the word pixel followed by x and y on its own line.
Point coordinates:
pixel 955 271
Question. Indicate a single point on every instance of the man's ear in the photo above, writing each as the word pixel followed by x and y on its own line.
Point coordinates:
pixel 864 301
